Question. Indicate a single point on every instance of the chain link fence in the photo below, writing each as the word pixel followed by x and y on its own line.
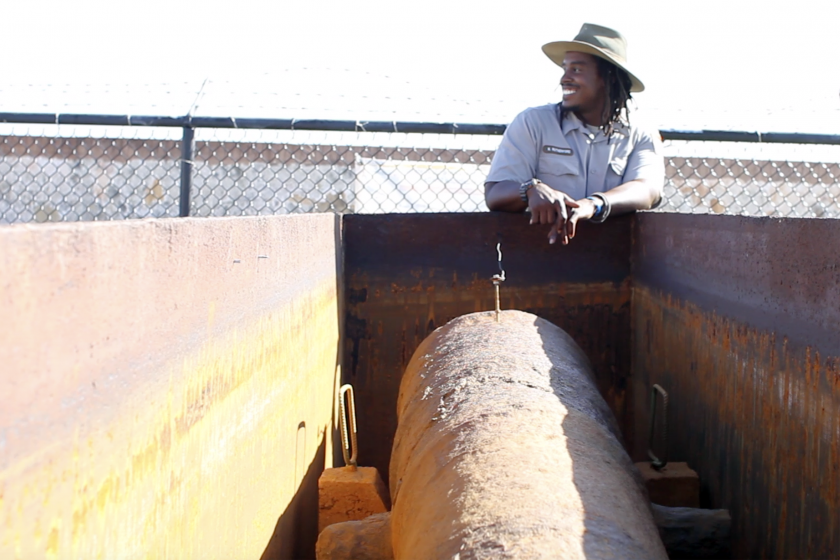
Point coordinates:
pixel 71 173
pixel 781 180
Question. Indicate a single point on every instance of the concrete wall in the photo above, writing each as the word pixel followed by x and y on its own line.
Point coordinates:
pixel 166 386
pixel 737 318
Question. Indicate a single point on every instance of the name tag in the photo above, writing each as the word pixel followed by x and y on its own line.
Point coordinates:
pixel 558 151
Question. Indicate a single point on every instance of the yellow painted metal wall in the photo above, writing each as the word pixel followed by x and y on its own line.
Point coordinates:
pixel 166 387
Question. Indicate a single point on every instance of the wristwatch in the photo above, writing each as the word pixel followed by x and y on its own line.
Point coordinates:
pixel 523 188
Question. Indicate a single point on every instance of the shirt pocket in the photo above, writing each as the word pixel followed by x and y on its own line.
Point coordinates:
pixel 557 165
pixel 618 165
pixel 618 161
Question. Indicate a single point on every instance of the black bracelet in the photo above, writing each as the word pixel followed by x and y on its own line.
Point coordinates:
pixel 599 206
pixel 605 212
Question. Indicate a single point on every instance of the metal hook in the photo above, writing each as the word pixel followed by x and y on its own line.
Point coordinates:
pixel 349 442
pixel 497 281
pixel 657 463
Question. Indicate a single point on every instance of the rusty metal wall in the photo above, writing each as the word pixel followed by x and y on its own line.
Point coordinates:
pixel 738 319
pixel 166 386
pixel 406 274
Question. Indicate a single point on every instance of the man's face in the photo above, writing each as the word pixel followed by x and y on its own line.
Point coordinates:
pixel 583 89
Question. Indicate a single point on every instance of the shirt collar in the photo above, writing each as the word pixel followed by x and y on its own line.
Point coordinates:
pixel 570 122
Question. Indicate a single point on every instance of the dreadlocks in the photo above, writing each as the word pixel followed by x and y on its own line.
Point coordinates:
pixel 618 94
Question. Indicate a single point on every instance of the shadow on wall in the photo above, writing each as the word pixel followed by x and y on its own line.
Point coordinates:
pixel 297 528
pixel 337 446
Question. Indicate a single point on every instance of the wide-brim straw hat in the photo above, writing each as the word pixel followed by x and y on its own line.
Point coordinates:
pixel 597 40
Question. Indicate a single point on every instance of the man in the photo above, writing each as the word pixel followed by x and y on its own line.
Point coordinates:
pixel 581 159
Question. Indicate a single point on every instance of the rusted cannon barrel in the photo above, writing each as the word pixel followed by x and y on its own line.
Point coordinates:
pixel 505 449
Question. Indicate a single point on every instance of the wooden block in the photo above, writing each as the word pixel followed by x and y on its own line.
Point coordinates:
pixel 676 485
pixel 350 494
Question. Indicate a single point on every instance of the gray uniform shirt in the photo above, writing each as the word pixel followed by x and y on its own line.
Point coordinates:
pixel 569 158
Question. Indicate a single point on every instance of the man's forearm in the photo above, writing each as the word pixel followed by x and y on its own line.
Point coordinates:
pixel 634 195
pixel 628 197
pixel 504 196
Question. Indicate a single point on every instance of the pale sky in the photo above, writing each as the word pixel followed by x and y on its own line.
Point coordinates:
pixel 711 57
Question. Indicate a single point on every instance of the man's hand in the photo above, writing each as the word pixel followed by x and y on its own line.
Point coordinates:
pixel 566 225
pixel 548 205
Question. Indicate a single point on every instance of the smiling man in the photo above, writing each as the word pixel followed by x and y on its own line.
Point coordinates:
pixel 580 159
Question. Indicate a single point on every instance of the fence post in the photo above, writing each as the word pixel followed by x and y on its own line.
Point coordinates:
pixel 186 170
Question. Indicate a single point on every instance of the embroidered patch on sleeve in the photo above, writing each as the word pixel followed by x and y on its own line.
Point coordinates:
pixel 558 151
